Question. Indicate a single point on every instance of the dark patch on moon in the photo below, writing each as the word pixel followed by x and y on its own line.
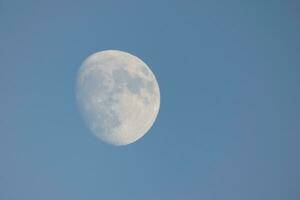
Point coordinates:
pixel 133 83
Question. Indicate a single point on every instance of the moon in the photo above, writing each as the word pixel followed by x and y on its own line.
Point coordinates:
pixel 118 96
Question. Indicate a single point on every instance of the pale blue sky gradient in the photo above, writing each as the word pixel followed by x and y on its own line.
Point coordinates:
pixel 228 128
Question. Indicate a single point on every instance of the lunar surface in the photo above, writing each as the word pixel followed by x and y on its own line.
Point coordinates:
pixel 118 96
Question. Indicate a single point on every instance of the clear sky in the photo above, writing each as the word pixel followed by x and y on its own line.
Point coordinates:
pixel 228 126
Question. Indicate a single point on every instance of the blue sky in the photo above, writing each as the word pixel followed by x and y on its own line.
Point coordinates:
pixel 228 126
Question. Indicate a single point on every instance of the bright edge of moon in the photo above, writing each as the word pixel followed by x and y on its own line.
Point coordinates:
pixel 118 96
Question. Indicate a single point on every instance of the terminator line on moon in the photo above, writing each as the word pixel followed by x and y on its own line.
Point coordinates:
pixel 118 96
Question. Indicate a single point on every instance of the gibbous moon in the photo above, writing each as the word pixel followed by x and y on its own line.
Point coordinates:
pixel 118 96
